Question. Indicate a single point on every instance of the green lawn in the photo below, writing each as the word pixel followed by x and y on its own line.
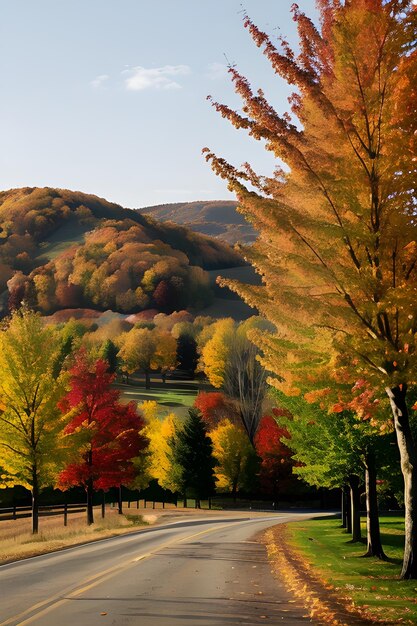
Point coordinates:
pixel 171 398
pixel 369 582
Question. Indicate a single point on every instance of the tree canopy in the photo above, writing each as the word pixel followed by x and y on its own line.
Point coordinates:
pixel 337 244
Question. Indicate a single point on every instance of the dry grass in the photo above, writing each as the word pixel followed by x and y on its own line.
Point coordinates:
pixel 17 542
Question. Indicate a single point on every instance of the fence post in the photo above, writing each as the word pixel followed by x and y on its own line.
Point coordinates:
pixel 153 504
pixel 103 505
pixel 14 511
pixel 144 504
pixel 65 514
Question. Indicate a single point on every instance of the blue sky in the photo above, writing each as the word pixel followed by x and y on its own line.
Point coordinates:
pixel 109 96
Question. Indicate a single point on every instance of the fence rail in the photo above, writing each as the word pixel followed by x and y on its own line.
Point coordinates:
pixel 20 512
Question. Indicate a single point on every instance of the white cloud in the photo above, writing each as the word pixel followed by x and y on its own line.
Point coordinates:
pixel 99 81
pixel 217 71
pixel 140 78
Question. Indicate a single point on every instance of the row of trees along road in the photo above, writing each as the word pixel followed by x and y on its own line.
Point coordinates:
pixel 62 424
pixel 338 238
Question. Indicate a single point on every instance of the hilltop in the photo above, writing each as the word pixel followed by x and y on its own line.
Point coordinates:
pixel 63 249
pixel 219 219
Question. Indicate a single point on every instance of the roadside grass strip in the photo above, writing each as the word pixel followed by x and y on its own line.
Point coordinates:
pixel 338 585
pixel 19 543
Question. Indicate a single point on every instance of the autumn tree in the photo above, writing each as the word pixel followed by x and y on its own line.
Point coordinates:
pixel 110 431
pixel 147 350
pixel 216 407
pixel 337 245
pixel 159 433
pixel 275 471
pixel 32 439
pixel 236 459
pixel 230 361
pixel 192 459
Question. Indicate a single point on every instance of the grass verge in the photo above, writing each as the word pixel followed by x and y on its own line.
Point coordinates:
pixel 20 543
pixel 324 567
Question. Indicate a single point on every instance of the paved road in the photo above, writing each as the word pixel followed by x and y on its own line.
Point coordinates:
pixel 205 572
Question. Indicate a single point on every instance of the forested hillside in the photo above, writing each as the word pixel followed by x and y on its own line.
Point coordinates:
pixel 65 249
pixel 218 219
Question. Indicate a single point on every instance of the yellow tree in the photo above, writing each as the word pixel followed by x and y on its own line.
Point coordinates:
pixel 338 239
pixel 230 360
pixel 33 446
pixel 214 353
pixel 235 457
pixel 159 432
pixel 165 357
pixel 147 350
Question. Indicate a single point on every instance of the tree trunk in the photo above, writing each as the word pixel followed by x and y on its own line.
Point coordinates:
pixel 147 380
pixel 348 511
pixel 234 491
pixel 374 545
pixel 90 488
pixel 35 501
pixel 408 456
pixel 343 508
pixel 355 503
pixel 119 500
pixel 90 493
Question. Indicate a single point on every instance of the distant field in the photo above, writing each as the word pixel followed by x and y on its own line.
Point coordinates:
pixel 172 398
pixel 70 234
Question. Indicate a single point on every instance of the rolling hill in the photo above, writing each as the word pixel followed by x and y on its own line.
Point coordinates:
pixel 218 219
pixel 61 249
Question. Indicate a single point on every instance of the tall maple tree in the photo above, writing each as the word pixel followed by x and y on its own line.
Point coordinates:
pixel 338 240
pixel 110 431
pixel 33 448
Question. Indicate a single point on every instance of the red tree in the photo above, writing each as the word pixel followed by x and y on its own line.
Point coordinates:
pixel 215 407
pixel 110 431
pixel 275 474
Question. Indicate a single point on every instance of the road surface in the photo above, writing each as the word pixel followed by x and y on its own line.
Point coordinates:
pixel 200 572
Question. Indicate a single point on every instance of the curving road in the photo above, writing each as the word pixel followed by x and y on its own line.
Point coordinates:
pixel 205 572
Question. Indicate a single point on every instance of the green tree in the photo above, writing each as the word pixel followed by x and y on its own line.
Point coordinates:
pixel 32 440
pixel 192 459
pixel 337 245
pixel 109 352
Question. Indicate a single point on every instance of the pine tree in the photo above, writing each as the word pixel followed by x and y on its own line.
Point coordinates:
pixel 109 352
pixel 192 459
pixel 338 240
